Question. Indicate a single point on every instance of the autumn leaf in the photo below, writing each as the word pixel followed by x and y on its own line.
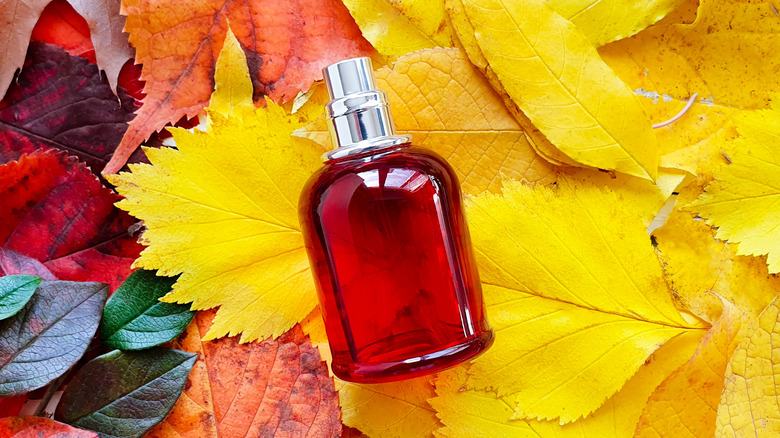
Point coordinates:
pixel 575 293
pixel 748 405
pixel 49 334
pixel 274 388
pixel 685 404
pixel 479 414
pixel 21 427
pixel 555 76
pixel 387 410
pixel 60 25
pixel 438 98
pixel 20 16
pixel 56 211
pixel 605 21
pixel 13 263
pixel 396 28
pixel 744 200
pixel 60 102
pixel 287 44
pixel 702 269
pixel 221 210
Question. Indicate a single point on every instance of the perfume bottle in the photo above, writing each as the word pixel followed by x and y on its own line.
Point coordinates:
pixel 388 243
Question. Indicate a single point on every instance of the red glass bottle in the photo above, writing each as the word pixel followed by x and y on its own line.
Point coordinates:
pixel 388 243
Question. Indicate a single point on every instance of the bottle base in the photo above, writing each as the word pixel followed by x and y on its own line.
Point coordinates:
pixel 415 366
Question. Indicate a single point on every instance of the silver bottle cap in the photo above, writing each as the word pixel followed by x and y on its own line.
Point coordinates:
pixel 358 113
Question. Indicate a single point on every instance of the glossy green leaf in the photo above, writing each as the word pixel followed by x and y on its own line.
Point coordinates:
pixel 49 334
pixel 15 292
pixel 135 319
pixel 125 393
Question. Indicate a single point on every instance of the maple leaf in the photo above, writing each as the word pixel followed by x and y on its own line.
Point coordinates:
pixel 469 413
pixel 59 101
pixel 555 76
pixel 744 200
pixel 55 210
pixel 20 16
pixel 287 44
pixel 396 28
pixel 577 325
pixel 221 210
pixel 40 427
pixel 685 403
pixel 448 107
pixel 748 406
pixel 275 388
pixel 387 410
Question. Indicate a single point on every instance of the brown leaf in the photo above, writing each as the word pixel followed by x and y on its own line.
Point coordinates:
pixel 17 19
pixel 287 43
pixel 275 388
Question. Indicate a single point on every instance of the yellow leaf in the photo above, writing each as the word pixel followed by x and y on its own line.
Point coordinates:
pixel 397 27
pixel 389 410
pixel 556 77
pixel 575 293
pixel 744 200
pixel 438 98
pixel 221 210
pixel 478 414
pixel 604 21
pixel 701 268
pixel 748 406
pixel 232 89
pixel 686 403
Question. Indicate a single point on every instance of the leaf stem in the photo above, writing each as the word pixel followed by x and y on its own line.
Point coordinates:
pixel 51 389
pixel 678 115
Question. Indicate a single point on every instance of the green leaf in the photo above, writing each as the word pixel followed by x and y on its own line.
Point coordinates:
pixel 15 292
pixel 123 394
pixel 49 334
pixel 135 319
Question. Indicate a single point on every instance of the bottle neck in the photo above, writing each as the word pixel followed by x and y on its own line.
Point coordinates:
pixel 360 123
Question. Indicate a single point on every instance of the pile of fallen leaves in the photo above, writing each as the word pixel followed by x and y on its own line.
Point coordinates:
pixel 621 163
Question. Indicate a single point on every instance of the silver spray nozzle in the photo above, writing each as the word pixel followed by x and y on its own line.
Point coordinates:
pixel 359 118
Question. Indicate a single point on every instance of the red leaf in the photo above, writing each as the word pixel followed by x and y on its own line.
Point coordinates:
pixel 37 427
pixel 12 406
pixel 274 388
pixel 61 25
pixel 57 212
pixel 60 101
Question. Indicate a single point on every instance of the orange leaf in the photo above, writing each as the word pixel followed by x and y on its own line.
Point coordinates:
pixel 286 42
pixel 685 404
pixel 277 388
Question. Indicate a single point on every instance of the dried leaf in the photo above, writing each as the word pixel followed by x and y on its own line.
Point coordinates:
pixel 55 210
pixel 221 210
pixel 479 414
pixel 23 427
pixel 134 319
pixel 15 292
pixel 398 27
pixel 287 44
pixel 575 294
pixel 748 406
pixel 18 17
pixel 112 48
pixel 60 102
pixel 49 334
pixel 276 388
pixel 438 98
pixel 388 410
pixel 744 200
pixel 556 77
pixel 685 404
pixel 125 393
